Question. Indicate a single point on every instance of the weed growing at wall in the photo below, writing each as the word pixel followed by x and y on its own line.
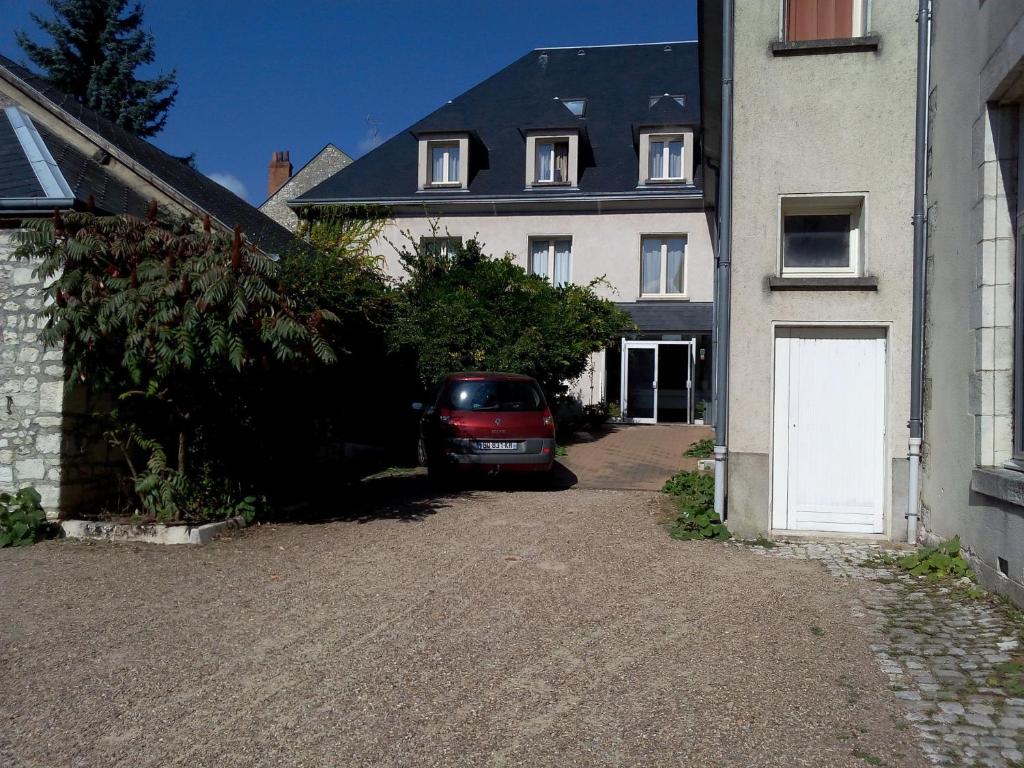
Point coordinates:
pixel 694 495
pixel 22 520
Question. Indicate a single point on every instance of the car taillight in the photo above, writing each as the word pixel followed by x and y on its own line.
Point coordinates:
pixel 548 418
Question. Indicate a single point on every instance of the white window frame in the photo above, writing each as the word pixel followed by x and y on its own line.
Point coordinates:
pixel 554 142
pixel 666 138
pixel 533 139
pixel 425 166
pixel 447 146
pixel 550 240
pixel 663 278
pixel 853 205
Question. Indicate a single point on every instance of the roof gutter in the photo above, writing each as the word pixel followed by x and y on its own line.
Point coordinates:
pixel 723 265
pixel 924 16
pixel 694 194
pixel 34 204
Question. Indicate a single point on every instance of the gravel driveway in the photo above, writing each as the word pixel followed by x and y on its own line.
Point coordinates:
pixel 494 628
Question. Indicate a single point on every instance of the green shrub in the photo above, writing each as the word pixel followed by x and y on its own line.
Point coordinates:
pixel 940 562
pixel 694 493
pixel 702 449
pixel 22 520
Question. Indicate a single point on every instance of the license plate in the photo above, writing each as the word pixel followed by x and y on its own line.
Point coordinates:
pixel 495 446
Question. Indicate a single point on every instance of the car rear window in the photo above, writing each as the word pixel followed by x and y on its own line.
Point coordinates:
pixel 494 396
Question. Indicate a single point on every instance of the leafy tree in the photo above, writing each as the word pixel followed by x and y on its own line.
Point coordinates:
pixel 97 47
pixel 180 324
pixel 462 310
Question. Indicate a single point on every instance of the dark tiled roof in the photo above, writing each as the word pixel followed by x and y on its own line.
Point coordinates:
pixel 89 178
pixel 17 179
pixel 206 194
pixel 670 315
pixel 617 82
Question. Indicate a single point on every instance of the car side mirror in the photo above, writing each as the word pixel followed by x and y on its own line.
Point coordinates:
pixel 417 406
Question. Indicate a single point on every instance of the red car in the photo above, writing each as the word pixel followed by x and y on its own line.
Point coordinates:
pixel 489 421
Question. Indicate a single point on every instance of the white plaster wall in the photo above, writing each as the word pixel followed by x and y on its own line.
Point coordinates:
pixel 834 123
pixel 605 244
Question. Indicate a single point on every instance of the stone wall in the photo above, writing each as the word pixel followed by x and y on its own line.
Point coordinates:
pixel 327 162
pixel 31 386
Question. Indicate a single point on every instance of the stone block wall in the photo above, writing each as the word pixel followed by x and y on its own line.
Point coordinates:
pixel 31 386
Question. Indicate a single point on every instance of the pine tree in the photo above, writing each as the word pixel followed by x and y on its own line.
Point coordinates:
pixel 97 46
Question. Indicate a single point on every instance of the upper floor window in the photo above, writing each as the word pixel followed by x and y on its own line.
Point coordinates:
pixel 663 265
pixel 666 158
pixel 551 258
pixel 443 160
pixel 552 162
pixel 666 155
pixel 552 159
pixel 824 19
pixel 444 163
pixel 822 235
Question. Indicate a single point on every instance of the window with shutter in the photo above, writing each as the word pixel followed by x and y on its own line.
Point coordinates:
pixel 824 19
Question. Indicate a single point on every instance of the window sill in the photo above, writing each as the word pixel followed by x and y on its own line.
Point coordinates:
pixel 776 283
pixel 815 47
pixel 997 483
pixel 665 182
pixel 663 297
pixel 544 184
pixel 442 187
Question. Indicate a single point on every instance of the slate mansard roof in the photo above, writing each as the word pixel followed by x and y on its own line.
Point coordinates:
pixel 618 83
pixel 87 176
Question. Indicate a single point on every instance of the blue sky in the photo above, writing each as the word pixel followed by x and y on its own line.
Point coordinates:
pixel 263 75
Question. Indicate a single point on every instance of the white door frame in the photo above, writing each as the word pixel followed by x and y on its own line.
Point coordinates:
pixel 691 359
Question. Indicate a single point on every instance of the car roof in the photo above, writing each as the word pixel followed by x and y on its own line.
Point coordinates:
pixel 488 375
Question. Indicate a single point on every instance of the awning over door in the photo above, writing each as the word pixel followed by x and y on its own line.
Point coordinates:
pixel 669 315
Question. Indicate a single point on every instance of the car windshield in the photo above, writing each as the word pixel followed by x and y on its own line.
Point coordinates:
pixel 494 396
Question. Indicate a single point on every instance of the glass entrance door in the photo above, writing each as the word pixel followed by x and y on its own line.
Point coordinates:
pixel 640 391
pixel 657 381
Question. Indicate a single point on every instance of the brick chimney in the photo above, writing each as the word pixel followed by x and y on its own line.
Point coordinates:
pixel 279 172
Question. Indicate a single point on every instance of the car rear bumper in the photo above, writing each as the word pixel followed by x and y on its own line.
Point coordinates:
pixel 534 453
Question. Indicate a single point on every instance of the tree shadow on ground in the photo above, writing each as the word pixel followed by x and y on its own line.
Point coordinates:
pixel 589 435
pixel 408 495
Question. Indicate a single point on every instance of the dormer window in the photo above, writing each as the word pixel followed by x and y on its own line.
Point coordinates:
pixel 666 158
pixel 552 159
pixel 443 161
pixel 666 155
pixel 552 162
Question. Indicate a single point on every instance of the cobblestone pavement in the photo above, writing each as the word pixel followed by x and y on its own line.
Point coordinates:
pixel 945 654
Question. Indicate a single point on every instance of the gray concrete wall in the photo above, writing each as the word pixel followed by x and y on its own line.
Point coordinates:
pixel 31 386
pixel 972 185
pixel 834 123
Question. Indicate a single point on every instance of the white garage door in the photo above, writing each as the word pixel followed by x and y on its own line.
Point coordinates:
pixel 829 438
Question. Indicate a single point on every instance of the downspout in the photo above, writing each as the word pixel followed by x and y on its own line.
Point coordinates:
pixel 723 267
pixel 920 247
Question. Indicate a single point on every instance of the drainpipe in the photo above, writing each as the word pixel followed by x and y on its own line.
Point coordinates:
pixel 723 266
pixel 920 244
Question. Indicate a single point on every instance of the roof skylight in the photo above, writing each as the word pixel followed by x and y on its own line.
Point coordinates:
pixel 576 106
pixel 678 98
